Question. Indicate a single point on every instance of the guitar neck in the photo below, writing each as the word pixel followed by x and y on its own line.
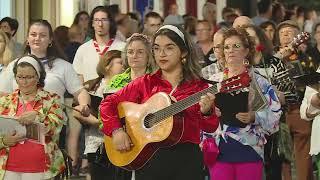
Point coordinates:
pixel 183 104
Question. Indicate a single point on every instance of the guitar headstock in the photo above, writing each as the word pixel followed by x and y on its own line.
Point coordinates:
pixel 235 83
pixel 300 39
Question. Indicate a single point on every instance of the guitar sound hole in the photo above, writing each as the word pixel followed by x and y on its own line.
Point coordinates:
pixel 149 120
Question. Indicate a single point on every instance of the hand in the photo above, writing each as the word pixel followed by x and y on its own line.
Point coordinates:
pixel 121 140
pixel 246 117
pixel 206 103
pixel 217 111
pixel 27 118
pixel 303 47
pixel 12 139
pixel 84 110
pixel 285 52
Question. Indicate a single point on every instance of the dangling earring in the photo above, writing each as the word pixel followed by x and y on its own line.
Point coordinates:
pixel 184 60
pixel 50 45
pixel 246 62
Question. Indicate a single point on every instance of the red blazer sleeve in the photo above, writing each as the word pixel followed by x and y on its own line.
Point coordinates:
pixel 208 123
pixel 108 107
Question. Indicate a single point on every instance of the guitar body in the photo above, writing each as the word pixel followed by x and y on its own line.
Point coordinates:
pixel 146 140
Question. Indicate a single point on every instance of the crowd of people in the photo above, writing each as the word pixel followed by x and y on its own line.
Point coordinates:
pixel 73 79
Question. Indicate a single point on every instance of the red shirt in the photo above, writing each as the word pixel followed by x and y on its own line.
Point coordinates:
pixel 28 157
pixel 141 89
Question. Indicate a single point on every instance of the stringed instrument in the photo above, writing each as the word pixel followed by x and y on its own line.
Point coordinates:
pixel 297 40
pixel 156 123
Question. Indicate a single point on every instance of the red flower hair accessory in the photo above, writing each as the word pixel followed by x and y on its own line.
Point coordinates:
pixel 260 47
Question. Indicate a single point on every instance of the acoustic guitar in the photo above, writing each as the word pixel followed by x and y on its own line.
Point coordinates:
pixel 157 123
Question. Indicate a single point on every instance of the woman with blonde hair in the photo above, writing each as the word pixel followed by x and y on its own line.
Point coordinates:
pixel 5 51
pixel 110 64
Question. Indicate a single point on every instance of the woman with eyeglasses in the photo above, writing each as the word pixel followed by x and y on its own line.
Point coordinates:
pixel 138 61
pixel 61 76
pixel 179 77
pixel 255 113
pixel 22 158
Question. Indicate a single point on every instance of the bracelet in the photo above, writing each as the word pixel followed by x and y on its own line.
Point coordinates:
pixel 2 143
pixel 117 130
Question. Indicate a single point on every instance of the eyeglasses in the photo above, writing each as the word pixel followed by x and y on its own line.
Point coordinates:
pixel 27 78
pixel 168 50
pixel 235 46
pixel 138 52
pixel 102 20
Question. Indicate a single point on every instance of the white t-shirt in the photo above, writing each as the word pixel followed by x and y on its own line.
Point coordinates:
pixel 86 59
pixel 59 79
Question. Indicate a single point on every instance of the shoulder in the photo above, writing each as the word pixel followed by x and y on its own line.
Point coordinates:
pixel 218 77
pixel 117 45
pixel 48 96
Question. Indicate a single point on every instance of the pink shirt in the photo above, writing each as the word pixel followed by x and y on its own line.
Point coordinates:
pixel 28 157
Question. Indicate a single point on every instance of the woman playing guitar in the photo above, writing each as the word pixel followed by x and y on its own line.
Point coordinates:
pixel 178 76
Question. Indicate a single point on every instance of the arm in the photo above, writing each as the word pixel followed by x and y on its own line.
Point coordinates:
pixel 310 104
pixel 108 106
pixel 268 118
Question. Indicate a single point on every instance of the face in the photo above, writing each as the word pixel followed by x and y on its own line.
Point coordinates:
pixel 167 54
pixel 253 34
pixel 27 79
pixel 115 67
pixel 317 34
pixel 101 23
pixel 234 50
pixel 218 45
pixel 269 31
pixel 203 32
pixel 84 21
pixel 137 55
pixel 152 25
pixel 2 44
pixel 39 38
pixel 173 9
pixel 4 26
pixel 286 35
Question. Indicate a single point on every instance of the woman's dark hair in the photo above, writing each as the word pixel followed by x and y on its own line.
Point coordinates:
pixel 24 64
pixel 77 17
pixel 267 49
pixel 242 34
pixel 191 68
pixel 61 35
pixel 264 25
pixel 53 50
pixel 112 23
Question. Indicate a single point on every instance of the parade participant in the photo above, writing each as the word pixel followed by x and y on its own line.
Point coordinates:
pixel 178 76
pixel 22 158
pixel 5 51
pixel 241 135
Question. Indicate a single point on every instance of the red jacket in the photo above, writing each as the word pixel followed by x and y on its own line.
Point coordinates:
pixel 141 89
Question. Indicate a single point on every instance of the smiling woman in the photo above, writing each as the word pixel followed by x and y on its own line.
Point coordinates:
pixel 31 104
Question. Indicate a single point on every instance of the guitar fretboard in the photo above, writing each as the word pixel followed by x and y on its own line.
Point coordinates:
pixel 179 106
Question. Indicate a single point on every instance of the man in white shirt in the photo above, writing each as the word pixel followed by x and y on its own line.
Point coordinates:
pixel 85 64
pixel 88 55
